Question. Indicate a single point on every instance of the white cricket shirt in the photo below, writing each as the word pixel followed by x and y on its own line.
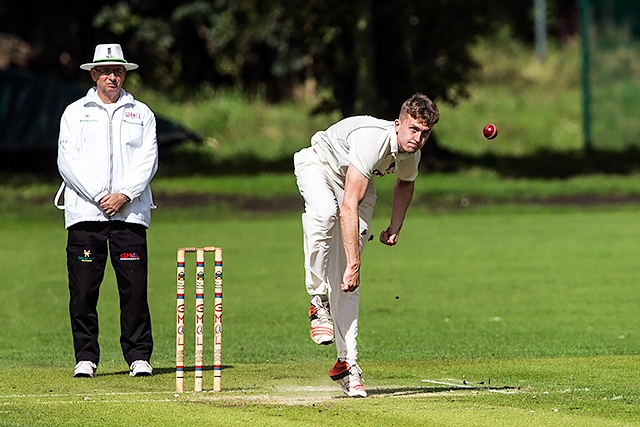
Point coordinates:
pixel 369 143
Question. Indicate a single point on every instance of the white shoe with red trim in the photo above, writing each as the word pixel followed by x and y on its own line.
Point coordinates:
pixel 349 377
pixel 321 322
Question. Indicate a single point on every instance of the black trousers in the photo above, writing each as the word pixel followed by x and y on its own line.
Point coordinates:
pixel 89 245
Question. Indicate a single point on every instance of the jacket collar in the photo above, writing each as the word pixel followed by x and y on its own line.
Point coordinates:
pixel 93 98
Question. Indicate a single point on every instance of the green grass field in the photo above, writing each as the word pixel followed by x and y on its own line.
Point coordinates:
pixel 485 316
pixel 506 303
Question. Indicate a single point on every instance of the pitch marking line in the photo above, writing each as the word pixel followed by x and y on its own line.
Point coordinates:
pixel 146 397
pixel 98 394
pixel 89 401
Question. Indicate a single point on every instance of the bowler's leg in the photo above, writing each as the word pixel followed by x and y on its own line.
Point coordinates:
pixel 345 305
pixel 318 223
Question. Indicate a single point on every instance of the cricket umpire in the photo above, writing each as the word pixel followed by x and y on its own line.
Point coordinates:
pixel 107 156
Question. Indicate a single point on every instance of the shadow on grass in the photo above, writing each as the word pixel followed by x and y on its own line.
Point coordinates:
pixel 166 371
pixel 407 391
pixel 545 164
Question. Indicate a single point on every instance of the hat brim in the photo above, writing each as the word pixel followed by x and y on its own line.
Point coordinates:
pixel 127 65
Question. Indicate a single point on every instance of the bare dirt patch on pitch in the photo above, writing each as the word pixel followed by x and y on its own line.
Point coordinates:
pixel 288 396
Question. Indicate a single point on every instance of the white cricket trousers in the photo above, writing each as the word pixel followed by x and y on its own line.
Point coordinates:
pixel 324 255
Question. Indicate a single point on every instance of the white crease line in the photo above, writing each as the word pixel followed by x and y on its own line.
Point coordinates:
pixel 131 393
pixel 87 399
pixel 71 402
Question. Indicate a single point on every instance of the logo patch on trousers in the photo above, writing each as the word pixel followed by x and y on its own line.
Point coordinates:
pixel 86 256
pixel 129 256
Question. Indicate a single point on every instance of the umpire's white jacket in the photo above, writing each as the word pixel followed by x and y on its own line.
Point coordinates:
pixel 107 149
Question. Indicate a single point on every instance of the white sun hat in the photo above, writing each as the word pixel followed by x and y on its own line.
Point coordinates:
pixel 108 54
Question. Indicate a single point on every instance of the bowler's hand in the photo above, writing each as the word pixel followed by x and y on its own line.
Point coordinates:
pixel 388 238
pixel 351 279
pixel 112 203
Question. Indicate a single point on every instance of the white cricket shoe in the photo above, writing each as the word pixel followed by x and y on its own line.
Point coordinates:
pixel 321 322
pixel 85 369
pixel 349 378
pixel 140 368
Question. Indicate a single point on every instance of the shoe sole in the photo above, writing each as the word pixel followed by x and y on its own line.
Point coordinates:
pixel 359 392
pixel 83 376
pixel 322 335
pixel 356 392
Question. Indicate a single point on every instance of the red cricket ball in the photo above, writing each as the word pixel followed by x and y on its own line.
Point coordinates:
pixel 490 131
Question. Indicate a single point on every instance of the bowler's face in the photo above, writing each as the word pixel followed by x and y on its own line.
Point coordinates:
pixel 412 135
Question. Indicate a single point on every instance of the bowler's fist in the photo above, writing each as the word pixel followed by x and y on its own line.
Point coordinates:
pixel 388 238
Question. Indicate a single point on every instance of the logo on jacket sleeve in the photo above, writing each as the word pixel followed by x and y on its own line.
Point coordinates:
pixel 129 256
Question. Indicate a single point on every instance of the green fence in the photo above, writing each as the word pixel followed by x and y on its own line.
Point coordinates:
pixel 611 73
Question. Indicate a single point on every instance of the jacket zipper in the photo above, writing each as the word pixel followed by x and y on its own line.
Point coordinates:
pixel 110 131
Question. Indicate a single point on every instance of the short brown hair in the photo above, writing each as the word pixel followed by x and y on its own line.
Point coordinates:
pixel 421 108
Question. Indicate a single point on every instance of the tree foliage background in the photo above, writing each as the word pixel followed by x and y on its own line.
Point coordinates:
pixel 366 56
